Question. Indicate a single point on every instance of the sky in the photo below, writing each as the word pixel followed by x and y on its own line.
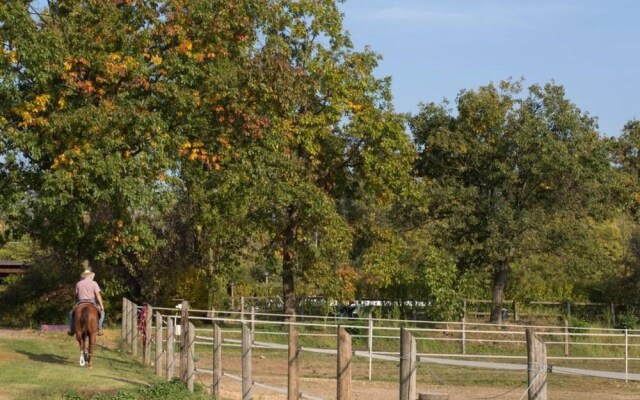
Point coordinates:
pixel 432 49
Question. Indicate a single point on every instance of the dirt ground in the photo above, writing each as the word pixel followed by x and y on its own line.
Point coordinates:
pixel 318 379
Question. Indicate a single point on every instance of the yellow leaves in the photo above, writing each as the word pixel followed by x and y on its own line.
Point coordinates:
pixel 636 198
pixel 224 142
pixel 196 98
pixel 12 57
pixel 114 57
pixel 29 112
pixel 156 60
pixel 185 47
pixel 41 102
pixel 61 159
pixel 27 119
pixel 354 106
pixel 118 66
pixel 196 152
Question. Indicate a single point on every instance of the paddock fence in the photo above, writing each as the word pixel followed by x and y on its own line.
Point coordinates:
pixel 177 337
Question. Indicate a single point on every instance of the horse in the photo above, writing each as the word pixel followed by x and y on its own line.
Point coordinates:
pixel 85 326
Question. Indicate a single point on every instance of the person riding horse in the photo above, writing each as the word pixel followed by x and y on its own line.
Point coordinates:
pixel 88 291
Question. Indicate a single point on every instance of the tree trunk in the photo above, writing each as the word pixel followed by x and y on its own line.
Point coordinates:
pixel 499 284
pixel 288 293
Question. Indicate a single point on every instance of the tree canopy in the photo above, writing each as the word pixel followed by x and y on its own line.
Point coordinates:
pixel 184 147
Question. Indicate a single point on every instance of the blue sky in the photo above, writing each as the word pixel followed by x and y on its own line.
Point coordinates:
pixel 434 48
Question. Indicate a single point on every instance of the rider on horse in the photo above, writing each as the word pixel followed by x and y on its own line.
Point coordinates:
pixel 88 291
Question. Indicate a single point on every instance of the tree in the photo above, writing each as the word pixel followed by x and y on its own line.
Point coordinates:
pixel 503 166
pixel 325 133
pixel 83 133
pixel 249 125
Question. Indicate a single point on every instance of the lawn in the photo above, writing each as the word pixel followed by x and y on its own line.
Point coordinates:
pixel 44 365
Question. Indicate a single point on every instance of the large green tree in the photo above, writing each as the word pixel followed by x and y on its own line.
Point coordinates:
pixel 503 166
pixel 248 126
pixel 84 135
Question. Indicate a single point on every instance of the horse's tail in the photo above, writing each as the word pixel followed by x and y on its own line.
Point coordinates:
pixel 84 320
pixel 89 316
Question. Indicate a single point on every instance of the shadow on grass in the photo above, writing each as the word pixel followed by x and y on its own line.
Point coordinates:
pixel 112 359
pixel 44 358
pixel 123 380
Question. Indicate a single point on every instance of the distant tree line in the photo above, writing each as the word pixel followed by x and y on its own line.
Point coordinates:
pixel 186 146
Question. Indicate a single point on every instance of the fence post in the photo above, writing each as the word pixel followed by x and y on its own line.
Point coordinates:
pixel 464 308
pixel 626 355
pixel 242 308
pixel 158 361
pixel 613 315
pixel 464 335
pixel 292 373
pixel 537 366
pixel 123 327
pixel 370 344
pixel 184 341
pixel 344 364
pixel 134 329
pixel 515 311
pixel 126 321
pixel 171 350
pixel 217 361
pixel 190 354
pixel 252 310
pixel 407 365
pixel 247 380
pixel 146 349
pixel 566 337
pixel 568 309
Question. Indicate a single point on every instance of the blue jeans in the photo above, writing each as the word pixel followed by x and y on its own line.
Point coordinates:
pixel 100 322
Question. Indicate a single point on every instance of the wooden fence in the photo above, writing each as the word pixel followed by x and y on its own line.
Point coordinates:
pixel 138 326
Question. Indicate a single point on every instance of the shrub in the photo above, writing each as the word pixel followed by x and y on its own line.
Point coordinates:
pixel 628 320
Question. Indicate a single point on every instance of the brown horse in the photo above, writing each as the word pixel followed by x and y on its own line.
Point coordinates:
pixel 85 325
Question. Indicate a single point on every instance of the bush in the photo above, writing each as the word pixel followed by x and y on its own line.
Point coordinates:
pixel 174 390
pixel 628 320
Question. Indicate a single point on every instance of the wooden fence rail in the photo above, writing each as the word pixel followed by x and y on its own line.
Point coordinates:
pixel 165 356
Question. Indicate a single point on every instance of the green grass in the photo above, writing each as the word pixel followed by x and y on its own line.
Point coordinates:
pixel 45 366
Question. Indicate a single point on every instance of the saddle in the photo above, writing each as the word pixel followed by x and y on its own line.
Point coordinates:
pixel 87 302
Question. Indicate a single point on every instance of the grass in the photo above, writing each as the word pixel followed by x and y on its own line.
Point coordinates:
pixel 45 366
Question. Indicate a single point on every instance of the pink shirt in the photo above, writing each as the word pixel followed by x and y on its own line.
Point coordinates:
pixel 86 289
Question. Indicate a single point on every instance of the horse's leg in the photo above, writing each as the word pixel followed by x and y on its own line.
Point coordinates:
pixel 92 342
pixel 80 340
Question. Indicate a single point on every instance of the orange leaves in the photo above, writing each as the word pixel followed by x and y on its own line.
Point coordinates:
pixel 196 152
pixel 185 47
pixel 224 142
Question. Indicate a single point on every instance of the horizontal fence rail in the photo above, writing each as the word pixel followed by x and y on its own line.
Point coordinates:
pixel 456 343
